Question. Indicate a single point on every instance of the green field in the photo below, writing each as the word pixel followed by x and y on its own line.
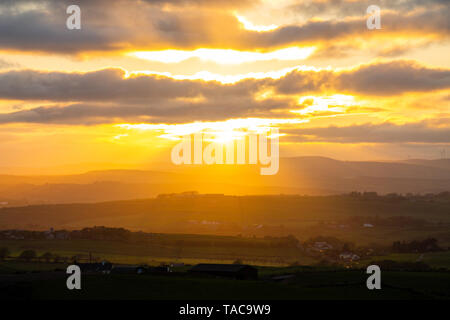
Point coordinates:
pixel 433 259
pixel 152 254
pixel 40 280
pixel 253 251
pixel 18 267
pixel 333 285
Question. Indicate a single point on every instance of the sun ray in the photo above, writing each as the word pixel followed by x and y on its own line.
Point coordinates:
pixel 217 131
pixel 225 56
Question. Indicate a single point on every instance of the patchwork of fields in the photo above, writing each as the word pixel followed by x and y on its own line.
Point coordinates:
pixel 312 283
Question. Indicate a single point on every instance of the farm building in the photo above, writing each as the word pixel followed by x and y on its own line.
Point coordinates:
pixel 160 269
pixel 322 246
pixel 236 271
pixel 348 256
pixel 127 269
pixel 104 267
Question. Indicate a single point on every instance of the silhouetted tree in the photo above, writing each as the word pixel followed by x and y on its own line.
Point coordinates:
pixel 47 256
pixel 57 259
pixel 427 245
pixel 28 255
pixel 4 253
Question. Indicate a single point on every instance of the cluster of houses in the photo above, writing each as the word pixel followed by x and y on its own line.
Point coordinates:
pixel 58 235
pixel 322 247
pixel 337 225
pixel 317 248
pixel 190 194
pixel 12 235
pixel 349 256
pixel 50 234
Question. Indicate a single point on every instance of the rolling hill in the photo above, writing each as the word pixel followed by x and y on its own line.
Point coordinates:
pixel 302 175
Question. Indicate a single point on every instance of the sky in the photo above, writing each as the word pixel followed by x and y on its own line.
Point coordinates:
pixel 141 73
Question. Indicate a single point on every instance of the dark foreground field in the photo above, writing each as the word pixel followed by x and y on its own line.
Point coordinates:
pixel 306 284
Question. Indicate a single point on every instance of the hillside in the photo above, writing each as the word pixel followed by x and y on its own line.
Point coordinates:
pixel 304 175
pixel 340 216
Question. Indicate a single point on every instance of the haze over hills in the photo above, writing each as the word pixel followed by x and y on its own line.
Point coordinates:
pixel 438 163
pixel 264 215
pixel 301 175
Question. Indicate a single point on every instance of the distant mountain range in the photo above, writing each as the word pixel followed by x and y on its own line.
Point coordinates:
pixel 301 175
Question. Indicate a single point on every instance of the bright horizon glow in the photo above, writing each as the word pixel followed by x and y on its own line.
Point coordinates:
pixel 226 79
pixel 180 67
pixel 250 26
pixel 224 56
pixel 217 131
pixel 334 103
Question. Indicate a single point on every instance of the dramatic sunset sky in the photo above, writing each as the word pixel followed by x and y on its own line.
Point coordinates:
pixel 140 73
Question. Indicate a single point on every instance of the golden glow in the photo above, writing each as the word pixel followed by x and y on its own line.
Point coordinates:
pixel 226 44
pixel 217 131
pixel 334 103
pixel 225 56
pixel 250 26
pixel 226 79
pixel 119 136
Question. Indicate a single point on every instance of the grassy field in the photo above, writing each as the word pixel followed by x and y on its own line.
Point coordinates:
pixel 152 254
pixel 278 214
pixel 32 280
pixel 433 259
pixel 380 235
pixel 155 253
pixel 333 285
pixel 15 267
